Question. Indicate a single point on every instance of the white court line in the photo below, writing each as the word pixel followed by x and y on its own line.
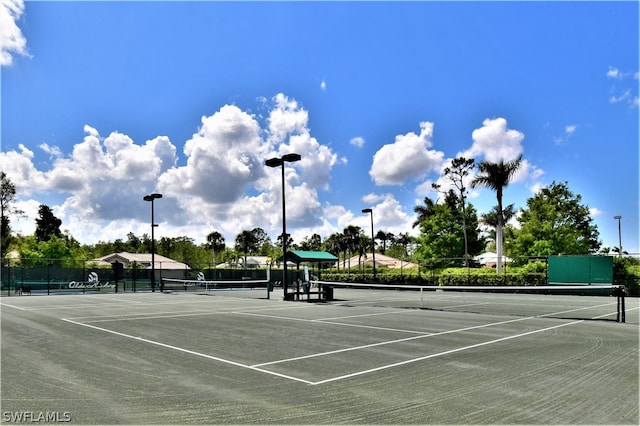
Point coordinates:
pixel 464 348
pixel 109 305
pixel 93 305
pixel 170 314
pixel 160 315
pixel 581 309
pixel 330 322
pixel 388 342
pixel 13 306
pixel 176 348
pixel 363 315
pixel 256 367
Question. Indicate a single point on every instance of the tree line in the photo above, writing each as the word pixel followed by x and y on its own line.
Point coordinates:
pixel 554 221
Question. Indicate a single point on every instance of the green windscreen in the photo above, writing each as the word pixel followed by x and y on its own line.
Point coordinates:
pixel 580 270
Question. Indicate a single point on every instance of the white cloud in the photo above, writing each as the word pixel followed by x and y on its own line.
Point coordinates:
pixel 388 215
pixel 288 132
pixel 223 185
pixel 625 96
pixel 569 130
pixel 622 95
pixel 409 157
pixel 527 172
pixel 20 169
pixel 26 224
pixel 595 212
pixel 323 86
pixel 372 198
pixel 223 158
pixel 11 39
pixel 53 151
pixel 286 118
pixel 495 142
pixel 613 72
pixel 425 189
pixel 536 188
pixel 357 141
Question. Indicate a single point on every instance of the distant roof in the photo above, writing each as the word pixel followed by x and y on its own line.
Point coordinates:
pixel 381 260
pixel 144 259
pixel 298 256
pixel 489 257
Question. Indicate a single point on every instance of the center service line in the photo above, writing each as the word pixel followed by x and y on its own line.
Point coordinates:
pixel 384 367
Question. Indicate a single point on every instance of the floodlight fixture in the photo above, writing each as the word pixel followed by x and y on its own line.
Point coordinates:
pixel 618 218
pixel 151 198
pixel 275 162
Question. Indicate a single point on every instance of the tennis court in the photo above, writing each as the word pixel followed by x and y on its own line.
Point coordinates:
pixel 236 357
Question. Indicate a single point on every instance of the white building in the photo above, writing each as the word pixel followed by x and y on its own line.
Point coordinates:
pixel 143 260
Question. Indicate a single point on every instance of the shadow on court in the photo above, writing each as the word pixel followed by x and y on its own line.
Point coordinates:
pixel 233 357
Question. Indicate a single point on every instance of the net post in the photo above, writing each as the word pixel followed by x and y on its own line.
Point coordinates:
pixel 620 314
pixel 421 297
pixel 622 304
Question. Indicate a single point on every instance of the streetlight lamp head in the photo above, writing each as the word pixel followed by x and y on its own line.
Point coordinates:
pixel 367 210
pixel 152 197
pixel 290 158
pixel 617 217
pixel 273 162
pixel 279 162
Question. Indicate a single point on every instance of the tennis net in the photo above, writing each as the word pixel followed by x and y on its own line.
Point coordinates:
pixel 209 286
pixel 597 302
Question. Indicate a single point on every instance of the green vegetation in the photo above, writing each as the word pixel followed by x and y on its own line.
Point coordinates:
pixel 450 234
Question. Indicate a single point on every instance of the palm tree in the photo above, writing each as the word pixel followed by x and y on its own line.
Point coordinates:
pixel 215 242
pixel 497 176
pixel 424 212
pixel 246 242
pixel 363 245
pixel 403 239
pixel 490 219
pixel 384 237
pixel 332 245
pixel 352 239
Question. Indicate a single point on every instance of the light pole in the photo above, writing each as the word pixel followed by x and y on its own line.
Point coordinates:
pixel 373 241
pixel 618 218
pixel 275 162
pixel 150 198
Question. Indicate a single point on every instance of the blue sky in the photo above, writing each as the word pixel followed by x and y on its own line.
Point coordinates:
pixel 104 102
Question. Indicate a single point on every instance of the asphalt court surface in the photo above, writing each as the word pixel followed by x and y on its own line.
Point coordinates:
pixel 234 358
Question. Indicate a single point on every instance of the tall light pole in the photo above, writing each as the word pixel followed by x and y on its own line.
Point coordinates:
pixel 150 198
pixel 275 162
pixel 618 218
pixel 373 241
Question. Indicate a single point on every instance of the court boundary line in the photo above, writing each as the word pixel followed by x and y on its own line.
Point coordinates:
pixel 257 367
pixel 329 322
pixel 409 361
pixel 188 351
pixel 90 305
pixel 388 342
